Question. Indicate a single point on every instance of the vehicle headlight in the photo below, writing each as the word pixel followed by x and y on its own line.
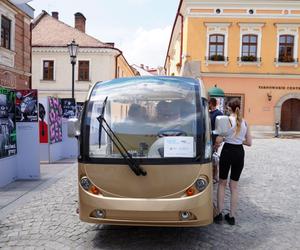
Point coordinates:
pixel 85 183
pixel 201 184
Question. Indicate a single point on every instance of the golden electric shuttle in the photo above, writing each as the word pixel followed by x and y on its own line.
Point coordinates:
pixel 145 153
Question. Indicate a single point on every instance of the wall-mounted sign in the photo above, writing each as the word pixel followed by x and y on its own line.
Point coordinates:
pixel 8 141
pixel 279 87
pixel 26 106
pixel 8 79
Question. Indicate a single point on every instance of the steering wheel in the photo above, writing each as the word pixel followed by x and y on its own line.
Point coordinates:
pixel 171 132
pixel 157 148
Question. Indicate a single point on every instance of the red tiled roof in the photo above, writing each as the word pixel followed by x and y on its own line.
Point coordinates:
pixel 48 31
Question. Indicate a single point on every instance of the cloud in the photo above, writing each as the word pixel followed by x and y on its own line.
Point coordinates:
pixel 148 47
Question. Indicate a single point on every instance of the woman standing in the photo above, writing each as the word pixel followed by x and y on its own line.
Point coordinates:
pixel 232 158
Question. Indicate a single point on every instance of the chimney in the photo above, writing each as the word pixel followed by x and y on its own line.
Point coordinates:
pixel 142 66
pixel 55 14
pixel 80 22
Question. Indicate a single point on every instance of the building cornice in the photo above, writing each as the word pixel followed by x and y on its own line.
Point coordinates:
pixel 240 75
pixel 221 24
pixel 284 25
pixel 41 89
pixel 256 25
pixel 43 49
pixel 239 4
pixel 13 70
pixel 8 7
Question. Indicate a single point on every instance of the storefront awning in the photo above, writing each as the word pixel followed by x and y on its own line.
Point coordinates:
pixel 216 92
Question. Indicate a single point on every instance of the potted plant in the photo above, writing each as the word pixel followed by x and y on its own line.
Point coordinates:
pixel 217 58
pixel 248 58
pixel 286 59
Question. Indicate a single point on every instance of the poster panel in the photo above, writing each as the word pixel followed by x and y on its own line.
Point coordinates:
pixel 55 120
pixel 43 120
pixel 68 108
pixel 79 108
pixel 8 137
pixel 26 106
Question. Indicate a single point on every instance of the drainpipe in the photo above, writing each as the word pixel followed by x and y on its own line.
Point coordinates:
pixel 116 64
pixel 30 71
pixel 181 38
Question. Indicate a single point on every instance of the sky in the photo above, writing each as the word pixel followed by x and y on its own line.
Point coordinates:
pixel 140 28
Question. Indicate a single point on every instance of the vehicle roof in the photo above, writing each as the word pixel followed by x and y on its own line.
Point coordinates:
pixel 175 79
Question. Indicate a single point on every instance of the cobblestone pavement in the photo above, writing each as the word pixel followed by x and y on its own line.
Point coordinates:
pixel 268 215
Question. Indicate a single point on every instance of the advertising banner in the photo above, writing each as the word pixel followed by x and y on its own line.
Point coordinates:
pixel 8 145
pixel 43 120
pixel 79 108
pixel 55 120
pixel 68 108
pixel 26 106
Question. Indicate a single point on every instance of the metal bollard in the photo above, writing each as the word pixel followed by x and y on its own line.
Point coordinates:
pixel 277 129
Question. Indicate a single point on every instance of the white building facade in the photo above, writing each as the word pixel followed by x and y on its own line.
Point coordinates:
pixel 51 66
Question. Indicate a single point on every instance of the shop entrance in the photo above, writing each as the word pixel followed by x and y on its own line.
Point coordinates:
pixel 290 119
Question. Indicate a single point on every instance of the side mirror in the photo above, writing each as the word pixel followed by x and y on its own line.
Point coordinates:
pixel 222 125
pixel 73 127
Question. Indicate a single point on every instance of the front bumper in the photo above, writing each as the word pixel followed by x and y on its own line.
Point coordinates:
pixel 147 212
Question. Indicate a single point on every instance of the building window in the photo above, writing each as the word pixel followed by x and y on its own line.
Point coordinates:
pixel 83 70
pixel 249 48
pixel 5 32
pixel 216 47
pixel 48 70
pixel 286 48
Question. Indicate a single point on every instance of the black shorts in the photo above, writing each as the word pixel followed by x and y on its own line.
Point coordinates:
pixel 232 157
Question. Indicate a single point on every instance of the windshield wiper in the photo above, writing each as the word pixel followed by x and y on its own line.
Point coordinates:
pixel 133 164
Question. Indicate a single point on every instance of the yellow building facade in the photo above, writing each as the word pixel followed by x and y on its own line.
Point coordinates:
pixel 248 48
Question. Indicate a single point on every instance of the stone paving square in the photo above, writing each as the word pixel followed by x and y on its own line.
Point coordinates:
pixel 268 212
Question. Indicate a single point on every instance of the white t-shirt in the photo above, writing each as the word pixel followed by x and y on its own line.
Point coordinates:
pixel 234 138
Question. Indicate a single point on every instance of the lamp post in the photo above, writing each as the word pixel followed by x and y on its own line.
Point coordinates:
pixel 73 49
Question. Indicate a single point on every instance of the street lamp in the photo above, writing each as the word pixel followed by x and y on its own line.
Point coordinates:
pixel 73 49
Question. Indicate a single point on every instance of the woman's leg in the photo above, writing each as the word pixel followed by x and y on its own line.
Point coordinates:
pixel 234 197
pixel 236 170
pixel 221 195
pixel 224 166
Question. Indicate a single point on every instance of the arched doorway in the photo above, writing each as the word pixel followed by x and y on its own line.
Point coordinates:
pixel 290 118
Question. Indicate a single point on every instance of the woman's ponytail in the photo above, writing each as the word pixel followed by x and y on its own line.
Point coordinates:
pixel 235 106
pixel 239 120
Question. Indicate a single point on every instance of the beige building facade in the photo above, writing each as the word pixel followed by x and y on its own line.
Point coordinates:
pixel 248 48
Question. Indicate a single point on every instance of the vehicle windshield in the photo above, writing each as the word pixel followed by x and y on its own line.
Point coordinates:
pixel 152 117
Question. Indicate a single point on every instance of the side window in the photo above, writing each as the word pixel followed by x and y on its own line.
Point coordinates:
pixel 5 32
pixel 216 47
pixel 286 48
pixel 249 48
pixel 83 71
pixel 48 70
pixel 207 124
